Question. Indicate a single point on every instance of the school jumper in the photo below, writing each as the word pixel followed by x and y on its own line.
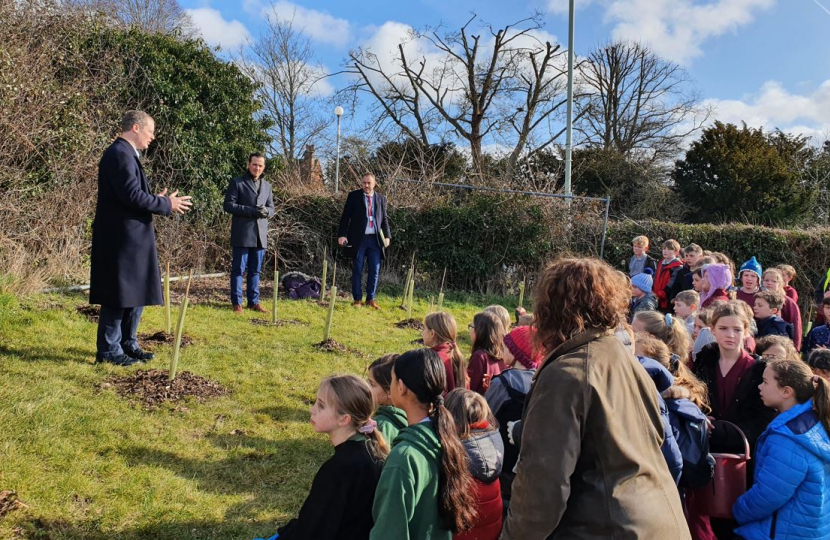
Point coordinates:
pixel 391 420
pixel 482 363
pixel 406 499
pixel 339 505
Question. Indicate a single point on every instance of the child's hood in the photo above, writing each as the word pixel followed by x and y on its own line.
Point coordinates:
pixel 394 415
pixel 802 426
pixel 660 375
pixel 485 450
pixel 423 437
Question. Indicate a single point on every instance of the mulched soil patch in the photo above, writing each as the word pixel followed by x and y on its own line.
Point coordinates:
pixel 90 312
pixel 151 388
pixel 215 290
pixel 280 322
pixel 331 345
pixel 414 324
pixel 10 502
pixel 151 340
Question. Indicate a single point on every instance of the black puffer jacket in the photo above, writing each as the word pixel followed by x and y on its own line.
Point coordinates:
pixel 486 452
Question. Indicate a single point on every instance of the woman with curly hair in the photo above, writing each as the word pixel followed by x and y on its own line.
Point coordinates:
pixel 590 466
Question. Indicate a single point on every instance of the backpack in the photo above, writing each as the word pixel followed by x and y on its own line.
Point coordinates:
pixel 692 435
pixel 300 286
pixel 510 411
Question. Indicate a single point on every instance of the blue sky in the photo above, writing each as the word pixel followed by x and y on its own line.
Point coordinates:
pixel 762 61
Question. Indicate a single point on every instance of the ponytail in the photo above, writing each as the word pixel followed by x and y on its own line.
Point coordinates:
pixel 446 330
pixel 353 396
pixel 455 484
pixel 668 329
pixel 459 365
pixel 821 401
pixel 423 373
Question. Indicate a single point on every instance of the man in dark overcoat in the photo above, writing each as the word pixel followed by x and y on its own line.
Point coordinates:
pixel 364 227
pixel 250 201
pixel 125 272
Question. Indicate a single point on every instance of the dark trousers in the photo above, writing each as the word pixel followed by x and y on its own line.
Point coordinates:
pixel 250 258
pixel 117 331
pixel 368 249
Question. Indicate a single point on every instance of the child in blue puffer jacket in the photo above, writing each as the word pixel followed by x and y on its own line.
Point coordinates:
pixel 789 499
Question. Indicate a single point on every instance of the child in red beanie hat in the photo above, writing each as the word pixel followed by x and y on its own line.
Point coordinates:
pixel 507 392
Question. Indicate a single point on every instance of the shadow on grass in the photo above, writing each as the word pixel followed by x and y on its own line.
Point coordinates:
pixel 286 414
pixel 38 354
pixel 43 529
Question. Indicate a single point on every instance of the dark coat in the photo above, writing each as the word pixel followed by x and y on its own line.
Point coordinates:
pixel 241 201
pixel 773 326
pixel 748 412
pixel 354 220
pixel 124 263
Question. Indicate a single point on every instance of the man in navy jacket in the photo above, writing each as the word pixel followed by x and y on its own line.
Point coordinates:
pixel 250 200
pixel 124 274
pixel 364 228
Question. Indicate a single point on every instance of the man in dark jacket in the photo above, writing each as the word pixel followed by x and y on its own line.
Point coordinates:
pixel 364 228
pixel 250 200
pixel 124 274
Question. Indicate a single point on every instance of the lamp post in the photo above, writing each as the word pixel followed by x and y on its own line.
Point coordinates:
pixel 338 112
pixel 569 121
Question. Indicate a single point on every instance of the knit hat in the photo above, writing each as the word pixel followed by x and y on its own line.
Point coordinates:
pixel 752 265
pixel 644 281
pixel 720 277
pixel 520 343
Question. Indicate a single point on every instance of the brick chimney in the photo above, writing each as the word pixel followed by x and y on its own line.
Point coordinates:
pixel 311 172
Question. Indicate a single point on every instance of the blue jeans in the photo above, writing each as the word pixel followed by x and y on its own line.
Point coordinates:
pixel 368 249
pixel 117 331
pixel 250 258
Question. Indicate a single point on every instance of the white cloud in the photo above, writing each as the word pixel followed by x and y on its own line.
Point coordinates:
pixel 674 29
pixel 216 30
pixel 773 106
pixel 317 25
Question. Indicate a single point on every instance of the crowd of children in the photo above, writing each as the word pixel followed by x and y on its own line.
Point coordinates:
pixel 437 444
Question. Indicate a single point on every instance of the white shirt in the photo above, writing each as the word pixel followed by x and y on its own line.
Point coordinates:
pixel 370 221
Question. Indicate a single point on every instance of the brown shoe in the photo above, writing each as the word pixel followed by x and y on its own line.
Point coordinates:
pixel 372 304
pixel 258 308
pixel 356 303
pixel 237 308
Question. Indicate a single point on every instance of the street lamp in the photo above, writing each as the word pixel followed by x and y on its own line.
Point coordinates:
pixel 338 112
pixel 569 118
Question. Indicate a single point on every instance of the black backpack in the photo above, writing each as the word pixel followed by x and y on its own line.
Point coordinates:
pixel 300 286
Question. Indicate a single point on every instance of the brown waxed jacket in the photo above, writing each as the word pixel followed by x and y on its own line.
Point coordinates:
pixel 590 466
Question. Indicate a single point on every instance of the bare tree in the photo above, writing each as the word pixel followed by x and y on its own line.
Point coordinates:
pixel 505 84
pixel 283 62
pixel 640 103
pixel 149 16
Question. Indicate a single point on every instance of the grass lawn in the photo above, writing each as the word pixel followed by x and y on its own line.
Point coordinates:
pixel 92 465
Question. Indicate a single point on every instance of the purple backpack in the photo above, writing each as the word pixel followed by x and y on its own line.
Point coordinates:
pixel 300 286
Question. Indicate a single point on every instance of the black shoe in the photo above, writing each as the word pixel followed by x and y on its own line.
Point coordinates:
pixel 142 356
pixel 121 360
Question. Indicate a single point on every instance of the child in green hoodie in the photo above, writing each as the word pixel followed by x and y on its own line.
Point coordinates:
pixel 390 419
pixel 425 490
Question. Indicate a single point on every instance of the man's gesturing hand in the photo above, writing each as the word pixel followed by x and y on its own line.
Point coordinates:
pixel 179 205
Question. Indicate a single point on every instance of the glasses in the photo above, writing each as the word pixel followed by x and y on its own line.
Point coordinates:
pixel 470 327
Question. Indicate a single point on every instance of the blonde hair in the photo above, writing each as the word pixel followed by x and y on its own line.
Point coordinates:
pixel 468 408
pixel 696 389
pixel 446 331
pixel 500 312
pixel 351 395
pixel 670 330
pixel 640 241
pixel 672 244
pixel 779 277
pixel 787 270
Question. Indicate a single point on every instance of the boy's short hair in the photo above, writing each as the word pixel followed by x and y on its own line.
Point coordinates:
pixel 671 244
pixel 825 301
pixel 819 359
pixel 690 298
pixel 640 241
pixel 693 248
pixel 775 299
pixel 787 270
pixel 764 343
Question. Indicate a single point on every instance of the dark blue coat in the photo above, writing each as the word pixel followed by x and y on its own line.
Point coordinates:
pixel 241 199
pixel 774 326
pixel 354 220
pixel 124 264
pixel 663 380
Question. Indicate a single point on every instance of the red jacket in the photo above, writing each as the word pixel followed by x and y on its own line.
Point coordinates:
pixel 663 281
pixel 489 510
